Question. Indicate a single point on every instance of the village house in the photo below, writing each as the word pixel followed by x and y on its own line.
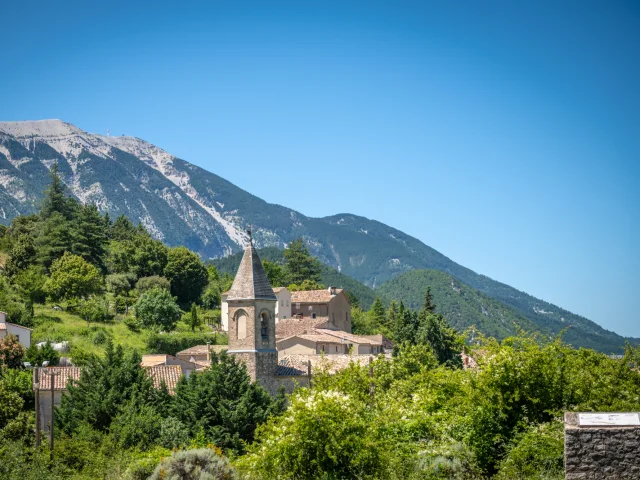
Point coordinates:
pixel 328 342
pixel 331 303
pixel 156 360
pixel 200 354
pixel 23 334
pixel 168 375
pixel 283 307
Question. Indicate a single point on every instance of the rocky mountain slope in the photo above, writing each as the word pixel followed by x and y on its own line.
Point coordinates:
pixel 181 203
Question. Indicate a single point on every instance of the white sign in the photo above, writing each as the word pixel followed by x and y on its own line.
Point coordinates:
pixel 624 419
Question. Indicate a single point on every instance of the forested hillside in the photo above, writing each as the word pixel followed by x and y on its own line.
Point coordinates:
pixel 328 276
pixel 182 204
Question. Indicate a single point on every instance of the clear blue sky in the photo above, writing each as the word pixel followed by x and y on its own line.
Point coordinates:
pixel 504 134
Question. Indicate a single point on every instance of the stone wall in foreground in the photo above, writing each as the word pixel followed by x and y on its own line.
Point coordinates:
pixel 600 452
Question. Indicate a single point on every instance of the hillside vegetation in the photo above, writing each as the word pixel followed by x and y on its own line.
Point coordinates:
pixel 461 305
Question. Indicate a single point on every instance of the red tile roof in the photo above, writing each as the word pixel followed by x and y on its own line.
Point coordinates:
pixel 169 374
pixel 288 327
pixel 62 377
pixel 314 296
pixel 349 337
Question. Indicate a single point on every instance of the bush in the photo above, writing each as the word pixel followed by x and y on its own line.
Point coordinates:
pixel 37 355
pixel 173 433
pixel 176 342
pixel 157 309
pixel 194 465
pixel 11 352
pixel 149 283
pixel 94 310
pixel 536 453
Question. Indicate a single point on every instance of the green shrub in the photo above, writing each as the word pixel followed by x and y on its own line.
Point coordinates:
pixel 176 342
pixel 194 465
pixel 538 453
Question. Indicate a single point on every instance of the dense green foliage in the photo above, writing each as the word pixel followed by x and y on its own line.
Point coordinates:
pixel 157 309
pixel 194 465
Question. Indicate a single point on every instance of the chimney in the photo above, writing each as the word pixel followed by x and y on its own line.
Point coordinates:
pixel 332 291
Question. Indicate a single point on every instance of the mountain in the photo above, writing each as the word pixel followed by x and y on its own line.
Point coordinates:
pixel 460 304
pixel 183 204
pixel 329 276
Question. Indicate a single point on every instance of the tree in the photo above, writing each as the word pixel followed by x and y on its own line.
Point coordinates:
pixel 157 309
pixel 377 313
pixel 94 310
pixel 223 401
pixel 392 315
pixel 37 355
pixel 21 255
pixel 429 306
pixel 275 273
pixel 55 197
pixel 187 274
pixel 55 238
pixel 211 297
pixel 149 256
pixel 306 285
pixel 120 283
pixel 406 327
pixel 444 340
pixel 149 283
pixel 90 239
pixel 11 352
pixel 30 283
pixel 72 277
pixel 299 264
pixel 105 388
pixel 122 229
pixel 194 320
pixel 196 464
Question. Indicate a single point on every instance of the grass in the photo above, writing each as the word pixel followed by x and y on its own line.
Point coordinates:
pixel 57 326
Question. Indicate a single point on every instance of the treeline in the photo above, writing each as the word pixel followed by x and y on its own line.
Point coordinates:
pixel 97 267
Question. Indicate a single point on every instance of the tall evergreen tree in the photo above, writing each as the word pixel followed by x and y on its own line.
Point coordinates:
pixel 56 237
pixel 429 306
pixel 122 229
pixel 377 314
pixel 392 314
pixel 299 264
pixel 436 332
pixel 91 236
pixel 55 197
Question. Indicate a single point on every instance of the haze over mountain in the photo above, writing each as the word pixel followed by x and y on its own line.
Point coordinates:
pixel 183 204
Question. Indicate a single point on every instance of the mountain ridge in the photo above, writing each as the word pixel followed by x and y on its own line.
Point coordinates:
pixel 183 204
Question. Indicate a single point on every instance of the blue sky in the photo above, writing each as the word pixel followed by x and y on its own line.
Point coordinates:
pixel 504 134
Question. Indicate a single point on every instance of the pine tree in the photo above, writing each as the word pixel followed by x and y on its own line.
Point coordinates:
pixel 299 264
pixel 392 314
pixel 377 314
pixel 90 238
pixel 55 198
pixel 429 306
pixel 435 331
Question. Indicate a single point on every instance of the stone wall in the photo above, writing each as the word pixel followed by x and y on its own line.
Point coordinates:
pixel 600 452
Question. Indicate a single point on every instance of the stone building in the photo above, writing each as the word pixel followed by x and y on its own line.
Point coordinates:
pixel 252 327
pixel 282 310
pixel 330 303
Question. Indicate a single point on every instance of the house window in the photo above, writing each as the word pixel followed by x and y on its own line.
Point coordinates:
pixel 313 315
pixel 282 303
pixel 18 337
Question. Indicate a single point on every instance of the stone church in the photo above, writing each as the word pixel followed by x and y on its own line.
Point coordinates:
pixel 252 326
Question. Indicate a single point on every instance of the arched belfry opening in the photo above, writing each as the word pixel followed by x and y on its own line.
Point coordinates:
pixel 264 327
pixel 241 324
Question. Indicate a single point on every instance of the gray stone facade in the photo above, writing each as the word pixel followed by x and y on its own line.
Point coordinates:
pixel 600 452
pixel 252 327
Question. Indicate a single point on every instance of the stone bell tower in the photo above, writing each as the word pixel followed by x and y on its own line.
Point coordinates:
pixel 252 327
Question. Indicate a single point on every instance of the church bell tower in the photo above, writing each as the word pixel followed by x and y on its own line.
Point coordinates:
pixel 252 328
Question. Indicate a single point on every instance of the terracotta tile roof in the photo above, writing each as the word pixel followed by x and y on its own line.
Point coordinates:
pixel 314 296
pixel 288 327
pixel 291 368
pixel 169 374
pixel 348 337
pixel 203 349
pixel 3 326
pixel 331 363
pixel 250 282
pixel 62 377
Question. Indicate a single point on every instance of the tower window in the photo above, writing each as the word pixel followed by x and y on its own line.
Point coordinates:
pixel 264 326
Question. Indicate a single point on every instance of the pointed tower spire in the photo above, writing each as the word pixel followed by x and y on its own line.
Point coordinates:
pixel 251 282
